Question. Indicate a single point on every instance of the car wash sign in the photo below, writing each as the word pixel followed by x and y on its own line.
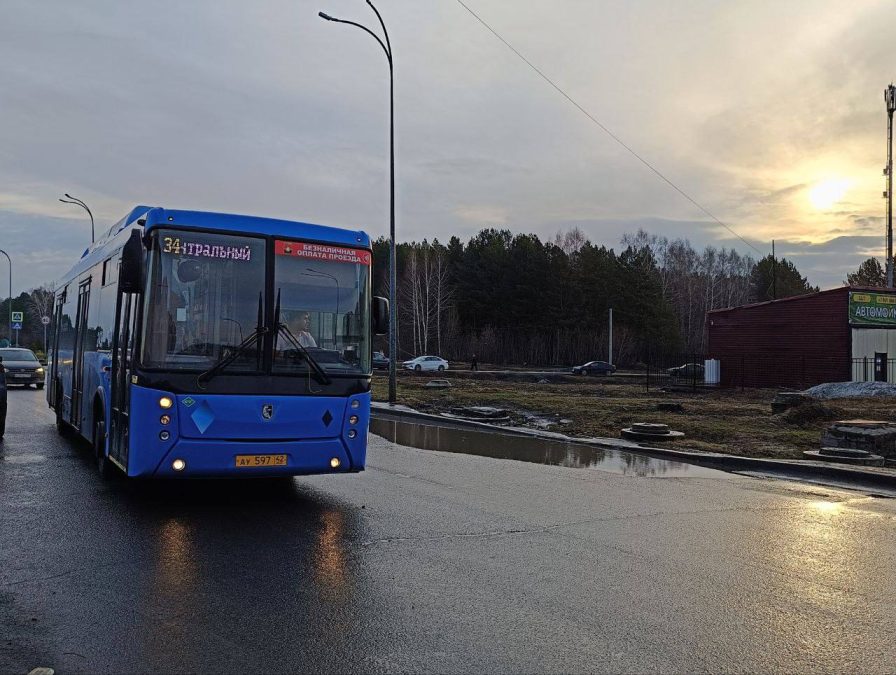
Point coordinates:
pixel 872 309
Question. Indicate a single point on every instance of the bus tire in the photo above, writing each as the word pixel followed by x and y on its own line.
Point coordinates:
pixel 103 464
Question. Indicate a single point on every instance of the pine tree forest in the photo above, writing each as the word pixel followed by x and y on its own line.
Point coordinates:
pixel 514 299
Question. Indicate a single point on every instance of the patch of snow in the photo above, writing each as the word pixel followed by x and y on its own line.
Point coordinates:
pixel 831 390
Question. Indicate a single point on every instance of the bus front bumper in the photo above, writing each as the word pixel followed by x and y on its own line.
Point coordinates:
pixel 189 458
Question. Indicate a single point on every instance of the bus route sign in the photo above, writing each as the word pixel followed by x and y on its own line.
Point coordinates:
pixel 872 309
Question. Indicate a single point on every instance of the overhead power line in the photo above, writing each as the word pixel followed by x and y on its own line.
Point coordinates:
pixel 605 129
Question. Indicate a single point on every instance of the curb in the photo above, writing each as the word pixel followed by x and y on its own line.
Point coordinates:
pixel 794 468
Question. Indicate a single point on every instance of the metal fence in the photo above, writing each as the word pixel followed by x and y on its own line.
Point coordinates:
pixel 688 371
pixel 870 370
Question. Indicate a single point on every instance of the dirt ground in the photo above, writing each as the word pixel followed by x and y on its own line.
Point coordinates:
pixel 730 421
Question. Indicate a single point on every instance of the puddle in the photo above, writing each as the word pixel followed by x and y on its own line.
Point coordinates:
pixel 536 450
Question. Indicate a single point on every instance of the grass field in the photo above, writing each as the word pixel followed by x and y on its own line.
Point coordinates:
pixel 730 421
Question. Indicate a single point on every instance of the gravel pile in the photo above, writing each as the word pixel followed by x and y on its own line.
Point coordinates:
pixel 831 390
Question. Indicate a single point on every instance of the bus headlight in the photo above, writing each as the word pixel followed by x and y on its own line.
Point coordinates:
pixel 352 433
pixel 335 462
pixel 165 420
pixel 356 404
pixel 178 465
pixel 353 419
pixel 164 435
pixel 165 402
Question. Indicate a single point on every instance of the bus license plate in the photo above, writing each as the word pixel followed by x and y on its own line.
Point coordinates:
pixel 251 461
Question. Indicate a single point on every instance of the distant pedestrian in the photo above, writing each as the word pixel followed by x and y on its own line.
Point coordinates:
pixel 474 365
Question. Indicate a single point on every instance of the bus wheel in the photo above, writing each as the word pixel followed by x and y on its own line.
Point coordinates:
pixel 103 463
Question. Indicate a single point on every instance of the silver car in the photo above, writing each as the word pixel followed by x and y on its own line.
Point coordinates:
pixel 22 367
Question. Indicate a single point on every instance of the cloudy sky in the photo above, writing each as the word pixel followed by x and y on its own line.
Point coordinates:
pixel 769 113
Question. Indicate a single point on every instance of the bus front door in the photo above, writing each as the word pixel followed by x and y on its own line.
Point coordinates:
pixel 78 357
pixel 54 396
pixel 122 358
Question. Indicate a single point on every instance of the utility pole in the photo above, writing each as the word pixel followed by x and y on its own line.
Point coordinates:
pixel 774 273
pixel 10 294
pixel 890 99
pixel 610 358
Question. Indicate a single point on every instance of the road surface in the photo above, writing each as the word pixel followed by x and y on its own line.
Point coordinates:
pixel 434 562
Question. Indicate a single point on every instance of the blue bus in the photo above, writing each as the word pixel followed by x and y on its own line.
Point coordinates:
pixel 199 344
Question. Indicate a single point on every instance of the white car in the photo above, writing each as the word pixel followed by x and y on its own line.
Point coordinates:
pixel 426 363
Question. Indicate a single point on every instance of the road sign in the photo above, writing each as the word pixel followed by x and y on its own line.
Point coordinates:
pixel 18 317
pixel 16 325
pixel 45 320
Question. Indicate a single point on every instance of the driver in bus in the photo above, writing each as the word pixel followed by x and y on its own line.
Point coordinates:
pixel 298 325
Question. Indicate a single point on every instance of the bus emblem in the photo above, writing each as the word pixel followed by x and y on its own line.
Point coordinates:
pixel 267 411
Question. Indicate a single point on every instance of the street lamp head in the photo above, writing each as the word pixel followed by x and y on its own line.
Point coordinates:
pixel 326 17
pixel 890 98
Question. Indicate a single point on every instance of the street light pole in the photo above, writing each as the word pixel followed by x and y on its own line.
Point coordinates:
pixel 311 272
pixel 10 294
pixel 890 99
pixel 393 318
pixel 78 202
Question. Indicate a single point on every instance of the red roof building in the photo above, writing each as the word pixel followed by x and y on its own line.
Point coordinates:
pixel 832 336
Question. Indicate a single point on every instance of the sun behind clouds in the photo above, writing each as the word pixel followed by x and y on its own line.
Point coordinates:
pixel 825 194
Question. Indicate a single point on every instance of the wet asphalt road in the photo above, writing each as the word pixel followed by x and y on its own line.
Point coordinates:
pixel 432 561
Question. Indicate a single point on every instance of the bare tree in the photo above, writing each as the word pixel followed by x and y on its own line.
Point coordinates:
pixel 40 304
pixel 442 292
pixel 40 300
pixel 571 240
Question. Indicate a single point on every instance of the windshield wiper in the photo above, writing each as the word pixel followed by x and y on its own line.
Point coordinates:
pixel 282 329
pixel 239 350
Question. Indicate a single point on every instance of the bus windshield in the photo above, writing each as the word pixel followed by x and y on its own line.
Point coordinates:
pixel 323 291
pixel 205 291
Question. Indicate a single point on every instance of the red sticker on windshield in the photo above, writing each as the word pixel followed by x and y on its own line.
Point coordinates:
pixel 322 252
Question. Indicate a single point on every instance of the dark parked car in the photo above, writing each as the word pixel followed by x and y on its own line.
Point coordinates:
pixel 594 368
pixel 22 367
pixel 380 361
pixel 688 371
pixel 2 400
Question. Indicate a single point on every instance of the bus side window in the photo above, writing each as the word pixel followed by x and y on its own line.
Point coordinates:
pixel 67 324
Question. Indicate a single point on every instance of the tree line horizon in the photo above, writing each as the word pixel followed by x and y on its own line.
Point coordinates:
pixel 515 299
pixel 512 298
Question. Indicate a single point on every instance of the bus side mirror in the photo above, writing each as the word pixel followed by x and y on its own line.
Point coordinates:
pixel 380 315
pixel 133 259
